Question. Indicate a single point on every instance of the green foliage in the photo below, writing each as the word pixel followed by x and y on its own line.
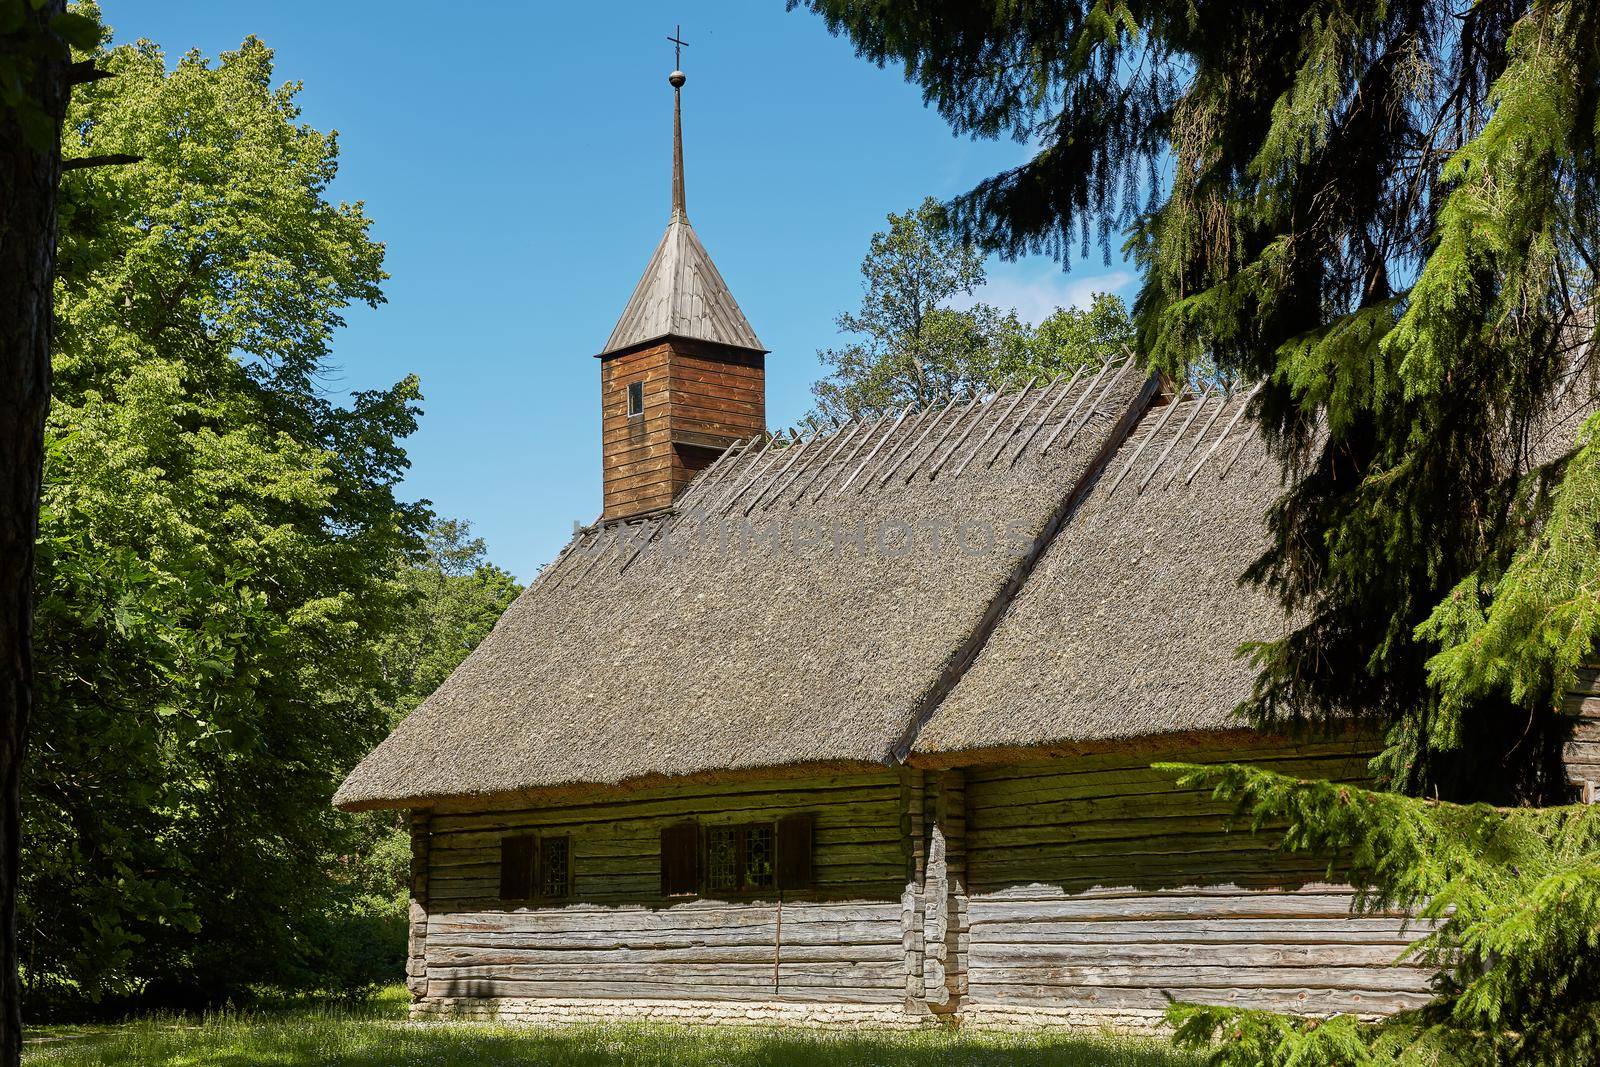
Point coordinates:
pixel 1526 630
pixel 217 555
pixel 1509 900
pixel 376 1037
pixel 456 597
pixel 1386 211
pixel 915 348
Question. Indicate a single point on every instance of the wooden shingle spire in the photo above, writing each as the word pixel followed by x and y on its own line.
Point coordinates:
pixel 682 293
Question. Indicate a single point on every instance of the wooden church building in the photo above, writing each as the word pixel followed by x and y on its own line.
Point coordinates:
pixel 856 726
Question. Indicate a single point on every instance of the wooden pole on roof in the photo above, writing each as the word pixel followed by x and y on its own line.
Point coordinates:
pixel 917 443
pixel 959 419
pixel 834 475
pixel 797 450
pixel 1087 415
pixel 753 468
pixel 1151 436
pixel 994 428
pixel 712 474
pixel 826 456
pixel 1198 404
pixel 760 468
pixel 885 439
pixel 1045 418
pixel 1022 420
pixel 1198 441
pixel 937 467
pixel 1237 415
pixel 1085 398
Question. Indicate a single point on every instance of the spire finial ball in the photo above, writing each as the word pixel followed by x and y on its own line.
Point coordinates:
pixel 677 79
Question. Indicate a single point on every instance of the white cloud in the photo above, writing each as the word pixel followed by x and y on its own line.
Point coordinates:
pixel 1037 288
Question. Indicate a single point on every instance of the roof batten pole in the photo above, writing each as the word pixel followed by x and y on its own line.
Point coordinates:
pixel 1237 415
pixel 1022 420
pixel 1083 398
pixel 1200 402
pixel 1088 414
pixel 961 417
pixel 544 576
pixel 994 398
pixel 834 475
pixel 911 432
pixel 885 439
pixel 576 550
pixel 701 485
pixel 821 450
pixel 754 464
pixel 1198 441
pixel 599 554
pixel 917 443
pixel 827 456
pixel 700 488
pixel 1151 436
pixel 798 450
pixel 1045 418
pixel 759 468
pixel 994 428
pixel 1244 439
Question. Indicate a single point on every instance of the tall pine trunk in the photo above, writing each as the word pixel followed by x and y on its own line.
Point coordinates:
pixel 29 175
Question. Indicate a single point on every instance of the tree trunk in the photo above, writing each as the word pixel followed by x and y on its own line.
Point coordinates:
pixel 29 174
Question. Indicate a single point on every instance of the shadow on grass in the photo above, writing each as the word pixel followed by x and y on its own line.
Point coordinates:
pixel 329 1038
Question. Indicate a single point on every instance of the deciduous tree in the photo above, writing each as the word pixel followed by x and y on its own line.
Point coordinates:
pixel 219 546
pixel 913 345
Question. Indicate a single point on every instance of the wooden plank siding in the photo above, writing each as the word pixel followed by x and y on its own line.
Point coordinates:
pixel 843 941
pixel 699 398
pixel 1096 884
pixel 1582 752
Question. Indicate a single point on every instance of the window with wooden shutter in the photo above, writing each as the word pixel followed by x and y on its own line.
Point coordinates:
pixel 517 858
pixel 680 855
pixel 794 852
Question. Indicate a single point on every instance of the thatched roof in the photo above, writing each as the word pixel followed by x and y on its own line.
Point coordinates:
pixel 1132 623
pixel 1129 625
pixel 778 615
pixel 685 656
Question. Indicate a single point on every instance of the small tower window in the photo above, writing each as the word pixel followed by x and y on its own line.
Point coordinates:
pixel 635 399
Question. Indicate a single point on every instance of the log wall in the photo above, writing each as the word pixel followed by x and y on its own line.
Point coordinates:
pixel 843 942
pixel 1582 754
pixel 1099 890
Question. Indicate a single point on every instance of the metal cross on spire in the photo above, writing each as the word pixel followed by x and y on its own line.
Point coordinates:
pixel 678 45
pixel 676 78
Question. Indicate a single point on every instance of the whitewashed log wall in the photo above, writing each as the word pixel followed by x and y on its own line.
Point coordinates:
pixel 1098 887
pixel 1582 755
pixel 845 942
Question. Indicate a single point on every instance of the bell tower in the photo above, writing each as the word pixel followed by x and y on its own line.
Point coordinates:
pixel 683 375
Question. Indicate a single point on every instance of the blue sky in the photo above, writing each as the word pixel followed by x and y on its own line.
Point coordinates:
pixel 515 159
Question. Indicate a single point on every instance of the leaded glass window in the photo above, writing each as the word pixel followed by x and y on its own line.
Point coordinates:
pixel 722 857
pixel 554 869
pixel 758 857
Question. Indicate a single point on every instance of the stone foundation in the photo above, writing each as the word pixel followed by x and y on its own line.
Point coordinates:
pixel 551 1010
pixel 557 1011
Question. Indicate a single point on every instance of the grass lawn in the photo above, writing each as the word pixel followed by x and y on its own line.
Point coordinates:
pixel 377 1037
